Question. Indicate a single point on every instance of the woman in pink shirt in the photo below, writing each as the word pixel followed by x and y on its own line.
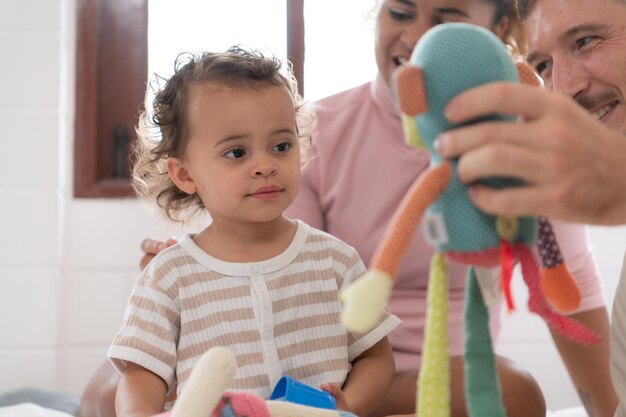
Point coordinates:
pixel 360 172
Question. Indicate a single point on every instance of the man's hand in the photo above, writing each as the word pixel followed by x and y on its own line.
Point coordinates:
pixel 574 166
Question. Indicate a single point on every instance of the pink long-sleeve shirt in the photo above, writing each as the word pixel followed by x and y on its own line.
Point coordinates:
pixel 360 171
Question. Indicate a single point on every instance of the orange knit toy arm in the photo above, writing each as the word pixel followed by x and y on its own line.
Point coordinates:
pixel 365 299
pixel 422 193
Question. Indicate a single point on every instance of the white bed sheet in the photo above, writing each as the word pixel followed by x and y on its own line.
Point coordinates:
pixel 569 412
pixel 30 410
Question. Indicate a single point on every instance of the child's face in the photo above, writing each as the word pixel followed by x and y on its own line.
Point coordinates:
pixel 243 156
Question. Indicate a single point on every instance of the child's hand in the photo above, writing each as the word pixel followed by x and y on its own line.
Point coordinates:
pixel 336 392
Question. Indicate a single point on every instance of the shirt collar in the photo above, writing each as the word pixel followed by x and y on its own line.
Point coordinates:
pixel 382 97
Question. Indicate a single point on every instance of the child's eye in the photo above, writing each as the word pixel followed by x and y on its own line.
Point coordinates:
pixel 235 153
pixel 282 147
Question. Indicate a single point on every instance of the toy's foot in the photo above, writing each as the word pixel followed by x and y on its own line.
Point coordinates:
pixel 560 289
pixel 365 300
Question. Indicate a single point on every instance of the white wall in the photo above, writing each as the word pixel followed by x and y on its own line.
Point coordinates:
pixel 30 268
pixel 66 266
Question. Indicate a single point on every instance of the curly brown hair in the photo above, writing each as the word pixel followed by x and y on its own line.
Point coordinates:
pixel 161 132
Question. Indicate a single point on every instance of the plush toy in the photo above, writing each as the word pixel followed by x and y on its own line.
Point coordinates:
pixel 205 395
pixel 447 60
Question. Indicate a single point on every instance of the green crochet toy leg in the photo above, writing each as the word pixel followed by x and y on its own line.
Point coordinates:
pixel 433 396
pixel 482 388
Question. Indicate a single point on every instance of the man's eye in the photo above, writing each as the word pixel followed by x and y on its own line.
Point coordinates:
pixel 282 147
pixel 235 153
pixel 582 42
pixel 541 67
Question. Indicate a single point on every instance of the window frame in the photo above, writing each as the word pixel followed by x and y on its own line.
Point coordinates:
pixel 110 78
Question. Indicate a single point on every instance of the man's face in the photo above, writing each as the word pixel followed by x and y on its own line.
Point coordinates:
pixel 578 47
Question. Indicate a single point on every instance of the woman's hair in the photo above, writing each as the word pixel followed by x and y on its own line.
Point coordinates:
pixel 523 8
pixel 514 37
pixel 162 133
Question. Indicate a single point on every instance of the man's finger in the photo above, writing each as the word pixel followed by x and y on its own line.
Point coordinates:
pixel 512 201
pixel 458 141
pixel 499 97
pixel 502 160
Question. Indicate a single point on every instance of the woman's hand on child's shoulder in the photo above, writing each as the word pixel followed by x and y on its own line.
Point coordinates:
pixel 151 247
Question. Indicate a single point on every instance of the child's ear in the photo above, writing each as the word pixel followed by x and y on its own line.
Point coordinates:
pixel 179 174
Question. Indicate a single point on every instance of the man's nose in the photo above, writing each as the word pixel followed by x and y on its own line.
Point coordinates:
pixel 568 77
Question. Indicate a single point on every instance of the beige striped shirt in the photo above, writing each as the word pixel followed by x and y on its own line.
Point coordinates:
pixel 279 316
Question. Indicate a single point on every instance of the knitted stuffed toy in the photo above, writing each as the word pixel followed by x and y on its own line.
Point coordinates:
pixel 448 60
pixel 205 396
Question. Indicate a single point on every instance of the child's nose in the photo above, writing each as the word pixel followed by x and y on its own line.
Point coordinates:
pixel 264 169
